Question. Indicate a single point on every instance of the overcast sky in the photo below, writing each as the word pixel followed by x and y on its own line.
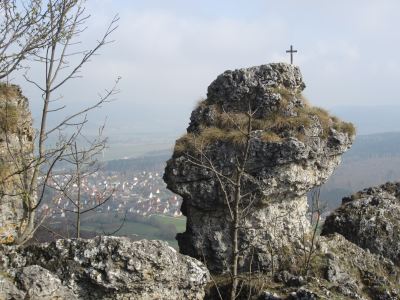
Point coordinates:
pixel 168 52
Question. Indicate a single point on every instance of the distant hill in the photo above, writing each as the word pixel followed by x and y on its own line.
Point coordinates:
pixel 372 160
pixel 152 161
pixel 375 145
pixel 134 137
pixel 370 119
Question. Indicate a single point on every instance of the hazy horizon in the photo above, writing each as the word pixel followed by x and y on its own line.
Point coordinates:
pixel 168 53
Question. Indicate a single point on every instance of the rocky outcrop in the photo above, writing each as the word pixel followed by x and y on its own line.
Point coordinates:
pixel 371 220
pixel 292 147
pixel 100 268
pixel 352 272
pixel 16 150
pixel 339 269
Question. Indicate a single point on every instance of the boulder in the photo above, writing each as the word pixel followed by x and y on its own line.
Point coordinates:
pixel 339 269
pixel 370 219
pixel 101 268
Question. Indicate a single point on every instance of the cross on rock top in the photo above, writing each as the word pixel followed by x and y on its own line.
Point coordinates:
pixel 291 51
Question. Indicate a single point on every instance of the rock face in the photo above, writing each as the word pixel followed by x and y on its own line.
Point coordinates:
pixel 339 269
pixel 371 220
pixel 292 147
pixel 342 270
pixel 16 148
pixel 353 272
pixel 101 268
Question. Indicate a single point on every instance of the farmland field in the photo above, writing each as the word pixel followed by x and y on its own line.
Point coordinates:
pixel 154 227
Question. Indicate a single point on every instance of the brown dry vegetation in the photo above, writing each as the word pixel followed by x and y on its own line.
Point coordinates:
pixel 232 127
pixel 9 116
pixel 285 93
pixel 207 136
pixel 8 91
pixel 345 127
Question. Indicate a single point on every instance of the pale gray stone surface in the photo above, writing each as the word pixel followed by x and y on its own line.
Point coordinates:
pixel 16 148
pixel 371 220
pixel 278 173
pixel 101 268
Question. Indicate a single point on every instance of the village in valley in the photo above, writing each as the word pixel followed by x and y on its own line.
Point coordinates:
pixel 141 193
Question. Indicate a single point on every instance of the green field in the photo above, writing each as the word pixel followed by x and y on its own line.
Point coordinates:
pixel 106 223
pixel 180 222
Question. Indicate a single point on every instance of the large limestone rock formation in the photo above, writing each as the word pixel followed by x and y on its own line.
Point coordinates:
pixel 293 147
pixel 371 220
pixel 16 150
pixel 101 268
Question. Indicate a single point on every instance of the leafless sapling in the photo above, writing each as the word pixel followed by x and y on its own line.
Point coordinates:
pixel 53 33
pixel 238 201
pixel 72 183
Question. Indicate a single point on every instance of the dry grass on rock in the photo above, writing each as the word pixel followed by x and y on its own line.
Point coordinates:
pixel 232 127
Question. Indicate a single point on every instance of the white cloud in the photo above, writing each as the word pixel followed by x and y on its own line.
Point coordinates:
pixel 167 57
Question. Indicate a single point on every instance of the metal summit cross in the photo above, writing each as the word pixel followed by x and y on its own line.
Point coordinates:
pixel 291 51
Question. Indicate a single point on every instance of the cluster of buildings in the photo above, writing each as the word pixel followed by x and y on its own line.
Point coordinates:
pixel 143 193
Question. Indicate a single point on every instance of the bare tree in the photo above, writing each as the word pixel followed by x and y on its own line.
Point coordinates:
pixel 315 220
pixel 62 22
pixel 238 201
pixel 81 164
pixel 24 30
